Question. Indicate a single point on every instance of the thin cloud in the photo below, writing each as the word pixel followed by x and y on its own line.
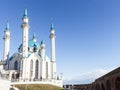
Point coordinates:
pixel 86 77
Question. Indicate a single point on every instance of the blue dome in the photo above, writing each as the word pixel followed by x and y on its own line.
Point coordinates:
pixel 32 43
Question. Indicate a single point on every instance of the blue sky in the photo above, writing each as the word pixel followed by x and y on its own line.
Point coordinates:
pixel 87 32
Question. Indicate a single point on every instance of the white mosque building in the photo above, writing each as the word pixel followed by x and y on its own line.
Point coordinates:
pixel 30 63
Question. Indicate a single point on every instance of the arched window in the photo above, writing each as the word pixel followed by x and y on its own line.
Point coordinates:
pixel 36 69
pixel 31 68
pixel 16 65
pixel 103 87
pixel 108 85
pixel 97 87
pixel 35 48
pixel 117 83
pixel 46 69
pixel 28 49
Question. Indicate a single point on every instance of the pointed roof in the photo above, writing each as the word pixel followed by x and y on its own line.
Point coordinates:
pixel 25 15
pixel 52 27
pixel 42 42
pixel 34 37
pixel 7 27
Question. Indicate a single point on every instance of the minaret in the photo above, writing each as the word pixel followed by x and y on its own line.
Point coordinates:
pixel 6 39
pixel 52 38
pixel 25 26
pixel 43 66
pixel 42 50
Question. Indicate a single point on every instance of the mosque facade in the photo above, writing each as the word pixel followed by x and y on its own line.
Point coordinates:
pixel 30 63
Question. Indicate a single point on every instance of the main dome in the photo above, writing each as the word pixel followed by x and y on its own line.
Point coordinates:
pixel 33 43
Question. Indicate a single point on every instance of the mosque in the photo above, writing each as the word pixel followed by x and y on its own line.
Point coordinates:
pixel 30 63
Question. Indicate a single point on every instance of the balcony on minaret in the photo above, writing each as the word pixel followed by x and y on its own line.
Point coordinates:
pixel 25 25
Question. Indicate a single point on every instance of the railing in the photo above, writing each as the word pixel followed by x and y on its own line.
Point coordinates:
pixel 4 76
pixel 3 62
pixel 53 82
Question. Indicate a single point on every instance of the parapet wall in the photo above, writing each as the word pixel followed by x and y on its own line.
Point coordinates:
pixel 52 82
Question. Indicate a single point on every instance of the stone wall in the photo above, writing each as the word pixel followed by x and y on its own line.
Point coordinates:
pixel 82 87
pixel 110 81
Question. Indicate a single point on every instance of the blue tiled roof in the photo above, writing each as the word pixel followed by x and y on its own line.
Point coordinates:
pixel 32 43
pixel 52 27
pixel 7 27
pixel 20 46
pixel 11 58
pixel 25 14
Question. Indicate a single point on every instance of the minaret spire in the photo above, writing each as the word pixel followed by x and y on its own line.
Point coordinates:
pixel 52 27
pixel 25 14
pixel 25 29
pixel 25 26
pixel 53 59
pixel 52 38
pixel 7 26
pixel 34 37
pixel 6 39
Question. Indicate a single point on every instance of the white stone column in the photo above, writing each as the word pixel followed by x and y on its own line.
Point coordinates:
pixel 43 70
pixel 6 39
pixel 42 50
pixel 25 26
pixel 53 59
